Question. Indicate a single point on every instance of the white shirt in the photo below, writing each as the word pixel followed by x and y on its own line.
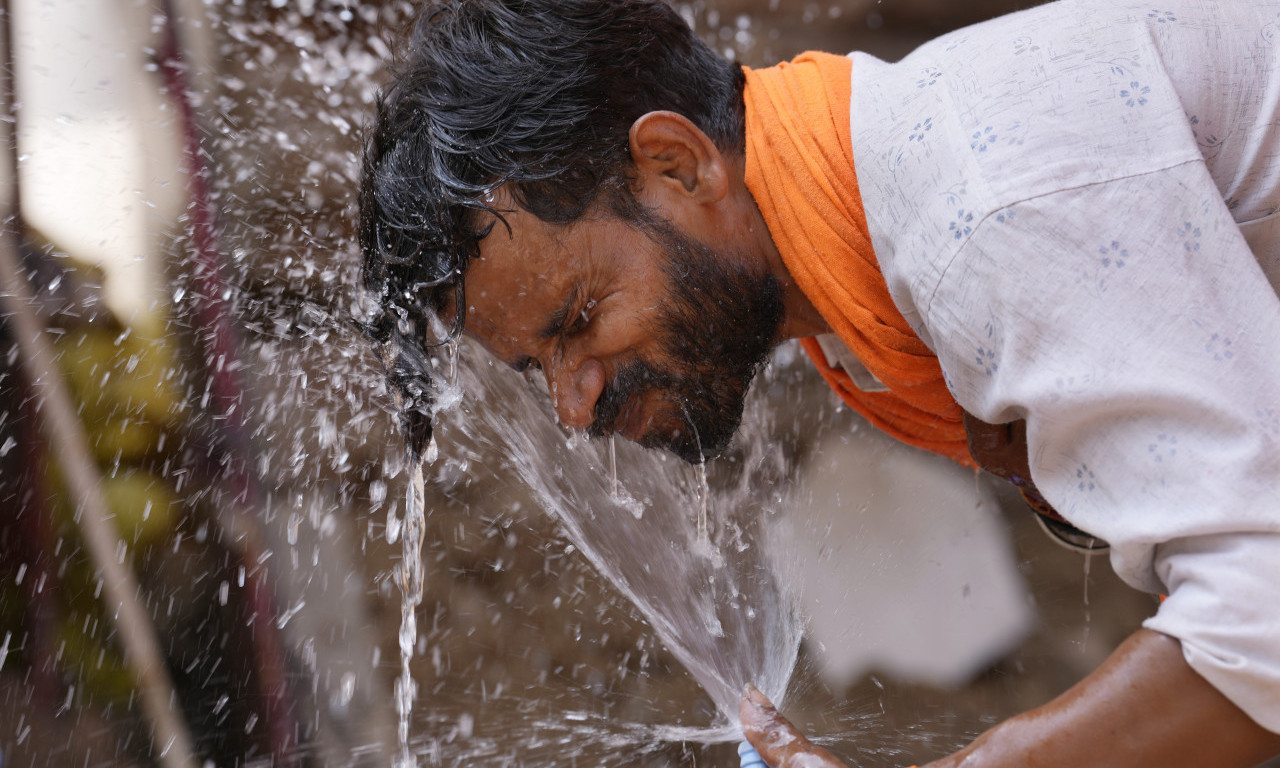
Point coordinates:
pixel 1075 206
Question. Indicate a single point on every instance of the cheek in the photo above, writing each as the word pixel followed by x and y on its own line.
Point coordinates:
pixel 637 315
pixel 617 334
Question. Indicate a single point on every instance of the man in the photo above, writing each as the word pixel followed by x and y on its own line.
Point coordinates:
pixel 1058 258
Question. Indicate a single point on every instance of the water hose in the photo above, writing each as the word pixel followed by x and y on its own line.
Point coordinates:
pixel 750 757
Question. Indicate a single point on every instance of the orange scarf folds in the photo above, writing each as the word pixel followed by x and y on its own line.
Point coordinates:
pixel 800 171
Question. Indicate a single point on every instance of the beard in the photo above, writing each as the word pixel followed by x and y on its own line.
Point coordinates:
pixel 715 330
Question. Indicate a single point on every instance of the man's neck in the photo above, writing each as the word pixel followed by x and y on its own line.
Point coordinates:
pixel 801 319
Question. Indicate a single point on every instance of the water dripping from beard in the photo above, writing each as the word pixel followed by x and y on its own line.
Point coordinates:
pixel 716 329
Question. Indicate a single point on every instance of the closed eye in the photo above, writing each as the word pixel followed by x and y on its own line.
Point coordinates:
pixel 572 318
pixel 583 319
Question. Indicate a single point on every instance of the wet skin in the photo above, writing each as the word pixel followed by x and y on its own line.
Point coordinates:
pixel 576 302
pixel 606 310
pixel 1143 707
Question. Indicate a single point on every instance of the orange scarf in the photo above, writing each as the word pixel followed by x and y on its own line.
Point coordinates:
pixel 800 171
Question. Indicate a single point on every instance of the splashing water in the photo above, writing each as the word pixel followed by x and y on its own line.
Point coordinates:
pixel 685 545
pixel 613 468
pixel 691 557
pixel 411 583
pixel 704 500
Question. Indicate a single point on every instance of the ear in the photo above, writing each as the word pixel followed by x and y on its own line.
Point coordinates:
pixel 669 151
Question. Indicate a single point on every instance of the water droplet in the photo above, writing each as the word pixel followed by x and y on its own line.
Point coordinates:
pixel 346 690
pixel 393 526
pixel 613 468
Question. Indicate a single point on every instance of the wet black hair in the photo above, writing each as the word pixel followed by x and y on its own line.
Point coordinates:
pixel 537 96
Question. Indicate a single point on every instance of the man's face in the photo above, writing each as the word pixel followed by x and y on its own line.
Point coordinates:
pixel 639 330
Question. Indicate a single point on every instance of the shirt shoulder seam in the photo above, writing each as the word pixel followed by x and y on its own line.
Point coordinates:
pixel 955 254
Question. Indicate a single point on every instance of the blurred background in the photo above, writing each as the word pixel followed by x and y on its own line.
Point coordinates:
pixel 207 434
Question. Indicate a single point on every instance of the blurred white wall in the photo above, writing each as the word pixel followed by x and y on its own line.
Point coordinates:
pixel 904 564
pixel 99 149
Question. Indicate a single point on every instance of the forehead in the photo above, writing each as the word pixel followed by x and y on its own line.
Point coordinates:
pixel 522 265
pixel 517 260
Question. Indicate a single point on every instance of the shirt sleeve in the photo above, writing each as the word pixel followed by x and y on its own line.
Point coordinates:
pixel 1130 324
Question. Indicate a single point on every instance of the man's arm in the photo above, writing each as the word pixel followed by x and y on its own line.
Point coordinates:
pixel 1143 707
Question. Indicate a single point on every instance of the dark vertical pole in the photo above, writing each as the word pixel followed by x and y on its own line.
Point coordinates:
pixel 214 324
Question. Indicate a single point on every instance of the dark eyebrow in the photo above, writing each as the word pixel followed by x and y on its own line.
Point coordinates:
pixel 556 323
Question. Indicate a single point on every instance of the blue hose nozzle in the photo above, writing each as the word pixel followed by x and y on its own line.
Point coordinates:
pixel 750 757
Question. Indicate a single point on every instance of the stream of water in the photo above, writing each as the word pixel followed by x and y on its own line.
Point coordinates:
pixel 685 546
pixel 411 582
pixel 692 558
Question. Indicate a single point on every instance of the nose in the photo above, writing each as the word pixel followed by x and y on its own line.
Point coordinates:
pixel 575 386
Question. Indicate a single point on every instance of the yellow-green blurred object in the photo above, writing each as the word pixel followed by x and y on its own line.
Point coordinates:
pixel 98 667
pixel 143 504
pixel 124 387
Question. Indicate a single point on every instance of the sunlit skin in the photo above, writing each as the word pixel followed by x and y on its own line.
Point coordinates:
pixel 1143 707
pixel 579 301
pixel 575 301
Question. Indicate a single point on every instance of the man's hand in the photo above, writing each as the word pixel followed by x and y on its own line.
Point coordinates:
pixel 1145 706
pixel 776 739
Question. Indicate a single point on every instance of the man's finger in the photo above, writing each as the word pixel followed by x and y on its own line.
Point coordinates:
pixel 776 739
